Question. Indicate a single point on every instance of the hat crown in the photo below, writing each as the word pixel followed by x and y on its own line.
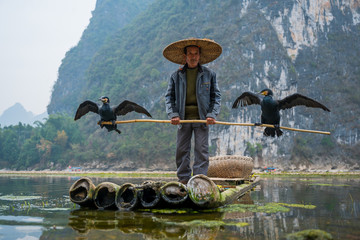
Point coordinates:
pixel 210 50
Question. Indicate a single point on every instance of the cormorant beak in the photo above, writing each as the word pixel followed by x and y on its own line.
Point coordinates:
pixel 265 93
pixel 104 100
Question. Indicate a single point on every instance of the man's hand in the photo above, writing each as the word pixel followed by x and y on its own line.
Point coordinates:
pixel 175 121
pixel 210 121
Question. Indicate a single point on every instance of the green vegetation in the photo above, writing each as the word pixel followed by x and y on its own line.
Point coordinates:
pixel 253 150
pixel 60 142
pixel 43 146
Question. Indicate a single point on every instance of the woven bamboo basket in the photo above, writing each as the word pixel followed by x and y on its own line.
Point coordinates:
pixel 231 166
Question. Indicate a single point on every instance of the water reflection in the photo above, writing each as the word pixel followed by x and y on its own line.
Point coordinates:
pixel 337 202
pixel 146 224
pixel 189 225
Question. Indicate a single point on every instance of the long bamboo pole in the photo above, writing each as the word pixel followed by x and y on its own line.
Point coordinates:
pixel 217 122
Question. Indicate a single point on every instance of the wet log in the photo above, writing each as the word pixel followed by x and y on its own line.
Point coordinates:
pixel 205 194
pixel 82 192
pixel 174 193
pixel 127 197
pixel 104 197
pixel 149 194
pixel 203 191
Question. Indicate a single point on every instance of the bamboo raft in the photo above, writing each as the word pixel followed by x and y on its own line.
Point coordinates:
pixel 200 192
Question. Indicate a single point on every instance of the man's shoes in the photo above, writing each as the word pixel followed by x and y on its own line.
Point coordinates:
pixel 184 181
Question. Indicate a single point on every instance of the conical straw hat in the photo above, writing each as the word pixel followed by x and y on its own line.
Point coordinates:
pixel 210 50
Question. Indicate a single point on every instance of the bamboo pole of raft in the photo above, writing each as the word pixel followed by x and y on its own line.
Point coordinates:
pixel 82 191
pixel 104 196
pixel 204 193
pixel 218 122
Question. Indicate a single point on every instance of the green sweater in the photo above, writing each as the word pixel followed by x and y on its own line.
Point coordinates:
pixel 191 107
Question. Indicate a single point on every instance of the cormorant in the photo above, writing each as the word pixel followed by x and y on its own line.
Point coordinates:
pixel 270 108
pixel 107 113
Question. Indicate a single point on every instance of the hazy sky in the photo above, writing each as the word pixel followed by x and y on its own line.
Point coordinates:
pixel 34 37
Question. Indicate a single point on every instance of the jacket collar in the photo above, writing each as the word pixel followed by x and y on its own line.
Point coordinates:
pixel 183 69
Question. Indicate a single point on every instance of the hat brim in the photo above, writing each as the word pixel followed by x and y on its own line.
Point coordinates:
pixel 210 50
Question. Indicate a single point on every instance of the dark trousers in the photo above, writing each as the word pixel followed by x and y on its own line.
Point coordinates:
pixel 201 150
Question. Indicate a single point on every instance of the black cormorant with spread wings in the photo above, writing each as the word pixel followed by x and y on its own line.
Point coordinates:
pixel 107 113
pixel 270 108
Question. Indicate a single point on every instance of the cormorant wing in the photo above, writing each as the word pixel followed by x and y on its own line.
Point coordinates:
pixel 127 106
pixel 298 99
pixel 86 107
pixel 245 99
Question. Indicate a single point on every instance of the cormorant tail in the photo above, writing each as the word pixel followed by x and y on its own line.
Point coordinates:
pixel 269 132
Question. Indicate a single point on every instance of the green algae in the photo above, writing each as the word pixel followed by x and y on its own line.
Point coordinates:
pixel 314 183
pixel 267 208
pixel 19 198
pixel 4 207
pixel 313 234
pixel 298 205
pixel 54 209
pixel 309 180
pixel 204 223
pixel 310 174
pixel 329 185
pixel 169 211
pixel 241 208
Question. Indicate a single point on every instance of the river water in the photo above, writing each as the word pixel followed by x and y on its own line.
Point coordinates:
pixel 39 208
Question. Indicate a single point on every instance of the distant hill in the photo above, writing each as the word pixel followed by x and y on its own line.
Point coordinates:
pixel 17 113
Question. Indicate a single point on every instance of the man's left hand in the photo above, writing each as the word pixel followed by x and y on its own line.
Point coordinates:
pixel 210 121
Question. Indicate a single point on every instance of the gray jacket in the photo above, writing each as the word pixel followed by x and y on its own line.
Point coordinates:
pixel 207 94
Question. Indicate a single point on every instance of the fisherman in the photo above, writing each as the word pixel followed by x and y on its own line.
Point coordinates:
pixel 192 94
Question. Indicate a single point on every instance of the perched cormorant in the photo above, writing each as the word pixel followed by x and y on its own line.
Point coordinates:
pixel 107 113
pixel 270 108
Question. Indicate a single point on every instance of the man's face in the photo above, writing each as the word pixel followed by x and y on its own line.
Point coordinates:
pixel 192 56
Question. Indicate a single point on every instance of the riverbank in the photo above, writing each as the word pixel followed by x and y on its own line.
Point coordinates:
pixel 172 174
pixel 123 174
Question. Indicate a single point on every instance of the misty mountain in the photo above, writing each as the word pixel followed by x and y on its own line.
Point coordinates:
pixel 308 46
pixel 17 113
pixel 107 18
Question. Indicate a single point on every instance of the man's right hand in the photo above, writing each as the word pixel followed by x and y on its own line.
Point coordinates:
pixel 175 121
